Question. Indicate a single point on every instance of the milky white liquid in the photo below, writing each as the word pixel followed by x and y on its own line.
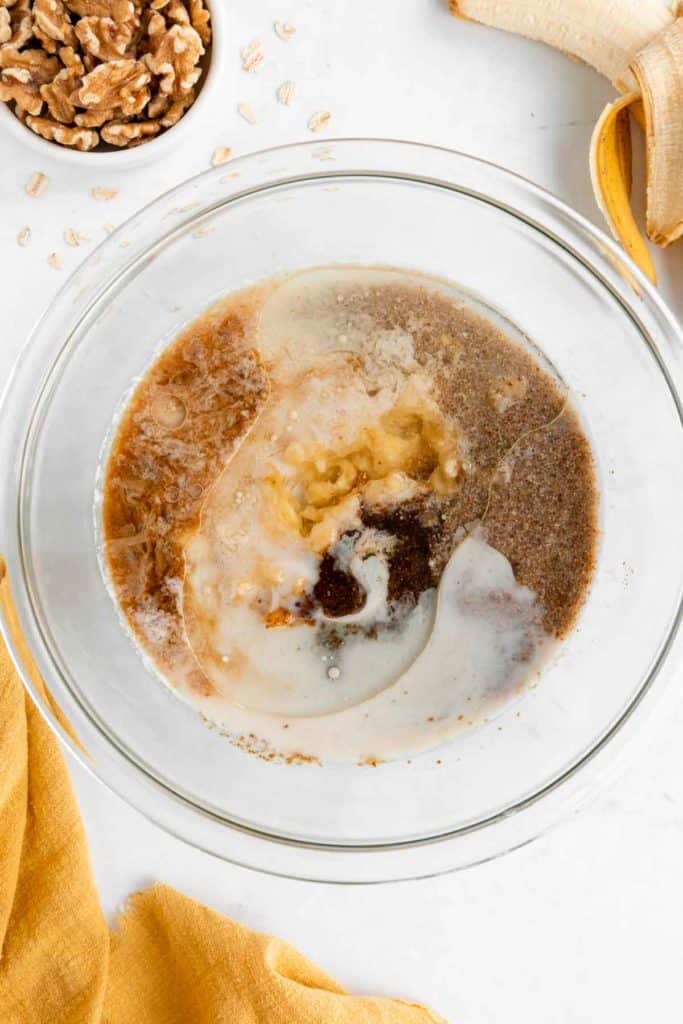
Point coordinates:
pixel 484 645
pixel 455 657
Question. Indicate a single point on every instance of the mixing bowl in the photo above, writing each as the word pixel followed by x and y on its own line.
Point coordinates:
pixel 527 256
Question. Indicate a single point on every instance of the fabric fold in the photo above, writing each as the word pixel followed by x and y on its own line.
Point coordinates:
pixel 168 959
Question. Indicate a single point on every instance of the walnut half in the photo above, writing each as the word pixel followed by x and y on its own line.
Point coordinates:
pixel 22 74
pixel 103 37
pixel 57 95
pixel 176 60
pixel 129 133
pixel 78 138
pixel 5 26
pixel 113 85
pixel 52 19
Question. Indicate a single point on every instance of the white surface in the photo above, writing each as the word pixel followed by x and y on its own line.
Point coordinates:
pixel 586 924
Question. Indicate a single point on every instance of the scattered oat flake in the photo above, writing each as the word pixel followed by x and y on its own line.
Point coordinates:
pixel 324 153
pixel 252 55
pixel 109 228
pixel 201 232
pixel 318 122
pixel 24 236
pixel 55 260
pixel 230 177
pixel 104 193
pixel 286 93
pixel 247 112
pixel 74 238
pixel 285 30
pixel 221 155
pixel 36 184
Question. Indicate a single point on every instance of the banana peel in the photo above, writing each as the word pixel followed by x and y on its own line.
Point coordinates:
pixel 638 45
pixel 610 164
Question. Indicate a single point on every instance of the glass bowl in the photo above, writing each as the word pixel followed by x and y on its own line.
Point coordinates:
pixel 533 260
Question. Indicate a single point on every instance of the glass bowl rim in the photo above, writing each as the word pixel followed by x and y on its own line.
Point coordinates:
pixel 627 277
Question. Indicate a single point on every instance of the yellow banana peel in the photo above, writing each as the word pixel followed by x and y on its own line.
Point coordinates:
pixel 610 163
pixel 638 45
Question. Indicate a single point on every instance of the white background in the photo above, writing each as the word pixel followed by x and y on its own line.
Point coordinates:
pixel 587 923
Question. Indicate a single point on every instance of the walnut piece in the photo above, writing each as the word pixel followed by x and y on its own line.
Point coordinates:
pixel 158 105
pixel 118 10
pixel 66 135
pixel 48 44
pixel 200 19
pixel 175 59
pixel 129 133
pixel 51 22
pixel 21 23
pixel 167 110
pixel 113 85
pixel 71 60
pixel 23 73
pixel 177 12
pixel 94 118
pixel 57 95
pixel 42 68
pixel 115 72
pixel 154 29
pixel 104 37
pixel 25 95
pixel 177 109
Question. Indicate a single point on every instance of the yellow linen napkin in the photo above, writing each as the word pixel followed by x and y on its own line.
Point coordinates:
pixel 168 960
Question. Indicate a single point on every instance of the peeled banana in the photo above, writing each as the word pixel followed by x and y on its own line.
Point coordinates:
pixel 638 45
pixel 658 69
pixel 607 34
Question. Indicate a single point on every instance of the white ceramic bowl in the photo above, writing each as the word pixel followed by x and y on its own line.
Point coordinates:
pixel 154 149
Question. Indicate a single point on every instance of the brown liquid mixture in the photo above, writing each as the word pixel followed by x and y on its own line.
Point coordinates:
pixel 525 471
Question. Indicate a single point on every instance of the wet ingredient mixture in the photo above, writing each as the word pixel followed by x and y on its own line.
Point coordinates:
pixel 347 514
